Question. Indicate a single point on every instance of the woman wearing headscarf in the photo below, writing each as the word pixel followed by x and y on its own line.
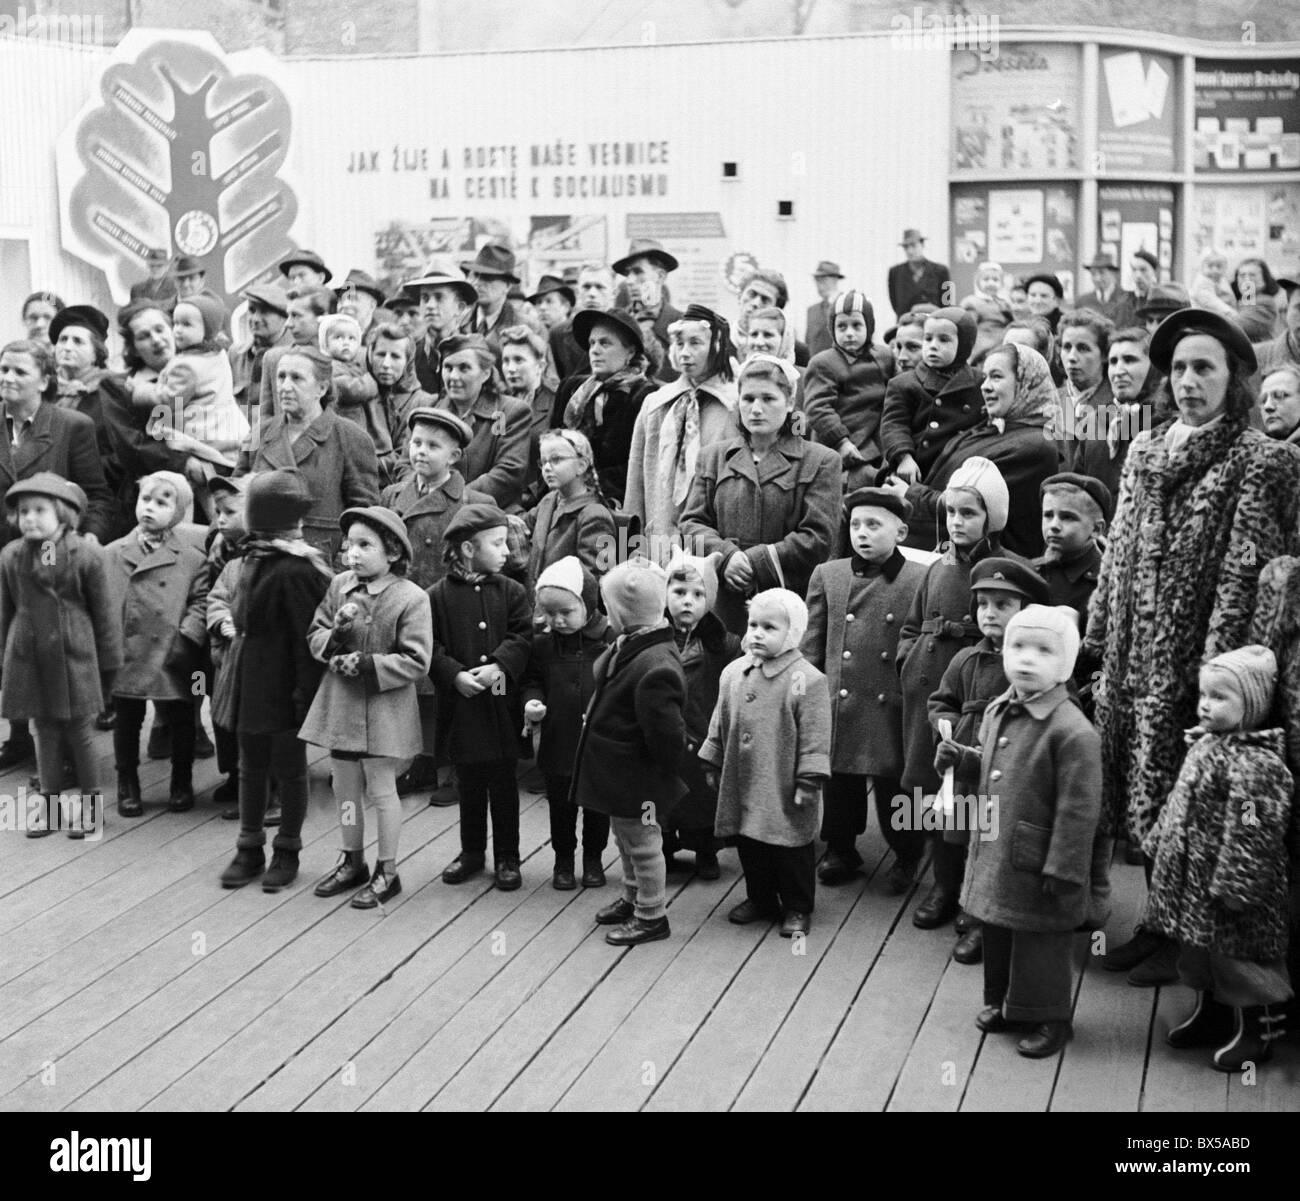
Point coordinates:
pixel 1205 501
pixel 1022 414
pixel 677 422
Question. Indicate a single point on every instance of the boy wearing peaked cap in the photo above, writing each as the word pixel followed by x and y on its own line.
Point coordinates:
pixel 631 743
pixel 1026 880
pixel 844 387
pixel 856 607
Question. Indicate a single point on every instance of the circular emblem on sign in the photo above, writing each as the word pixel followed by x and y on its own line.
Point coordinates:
pixel 196 233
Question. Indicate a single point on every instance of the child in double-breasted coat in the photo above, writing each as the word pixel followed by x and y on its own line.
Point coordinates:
pixel 59 636
pixel 1219 882
pixel 374 634
pixel 856 607
pixel 158 584
pixel 770 742
pixel 1031 829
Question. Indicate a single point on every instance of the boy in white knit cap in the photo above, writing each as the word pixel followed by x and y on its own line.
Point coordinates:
pixel 1219 882
pixel 557 686
pixel 1039 800
pixel 631 742
pixel 770 736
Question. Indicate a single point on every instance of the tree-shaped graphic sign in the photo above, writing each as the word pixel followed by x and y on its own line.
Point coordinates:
pixel 179 148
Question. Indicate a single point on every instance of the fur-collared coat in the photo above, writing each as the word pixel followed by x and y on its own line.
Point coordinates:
pixel 770 732
pixel 160 602
pixel 374 712
pixel 1192 531
pixel 1221 837
pixel 854 624
pixel 58 629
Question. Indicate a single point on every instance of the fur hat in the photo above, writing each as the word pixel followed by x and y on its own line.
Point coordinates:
pixel 180 486
pixel 277 500
pixel 635 593
pixel 796 613
pixel 569 575
pixel 1059 620
pixel 982 476
pixel 967 329
pixel 684 566
pixel 1254 668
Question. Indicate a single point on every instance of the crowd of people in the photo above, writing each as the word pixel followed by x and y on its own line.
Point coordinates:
pixel 1017 575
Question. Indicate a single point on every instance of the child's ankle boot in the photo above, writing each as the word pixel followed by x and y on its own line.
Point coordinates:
pixel 562 878
pixel 128 792
pixel 1210 1024
pixel 1257 1028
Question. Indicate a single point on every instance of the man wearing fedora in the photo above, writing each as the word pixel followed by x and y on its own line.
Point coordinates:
pixel 447 302
pixel 492 271
pixel 359 297
pixel 917 280
pixel 191 276
pixel 646 267
pixel 828 279
pixel 304 270
pixel 554 301
pixel 1107 297
pixel 161 285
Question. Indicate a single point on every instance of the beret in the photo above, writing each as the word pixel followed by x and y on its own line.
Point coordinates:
pixel 1085 483
pixel 1177 325
pixel 879 498
pixel 473 519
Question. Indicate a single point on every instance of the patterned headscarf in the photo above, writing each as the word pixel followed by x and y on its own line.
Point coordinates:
pixel 1035 401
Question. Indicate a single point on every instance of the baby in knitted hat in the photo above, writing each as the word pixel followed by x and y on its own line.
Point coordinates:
pixel 1219 875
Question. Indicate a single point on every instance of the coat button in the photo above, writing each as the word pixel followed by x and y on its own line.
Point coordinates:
pixel 889 617
pixel 880 697
pixel 934 425
pixel 848 654
pixel 751 696
pixel 1004 741
pixel 844 692
pixel 884 655
pixel 746 739
pixel 478 588
pixel 938 404
pixel 428 542
pixel 482 625
pixel 995 774
pixel 482 658
pixel 848 616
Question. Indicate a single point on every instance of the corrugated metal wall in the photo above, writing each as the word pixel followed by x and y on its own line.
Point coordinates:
pixel 853 131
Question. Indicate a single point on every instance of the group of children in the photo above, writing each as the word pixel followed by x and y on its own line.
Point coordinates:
pixel 950 694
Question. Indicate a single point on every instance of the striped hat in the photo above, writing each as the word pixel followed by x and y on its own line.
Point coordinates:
pixel 854 301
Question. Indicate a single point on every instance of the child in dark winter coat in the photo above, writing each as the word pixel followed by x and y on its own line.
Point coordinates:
pixel 856 607
pixel 925 408
pixel 269 677
pixel 631 743
pixel 844 387
pixel 1036 813
pixel 557 687
pixel 939 625
pixel 373 632
pixel 769 747
pixel 1219 884
pixel 225 559
pixel 1000 588
pixel 706 648
pixel 482 626
pixel 159 587
pixel 52 580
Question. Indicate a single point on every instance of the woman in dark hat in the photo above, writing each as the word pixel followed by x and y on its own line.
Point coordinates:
pixel 1045 292
pixel 79 334
pixel 1205 501
pixel 603 404
pixel 496 460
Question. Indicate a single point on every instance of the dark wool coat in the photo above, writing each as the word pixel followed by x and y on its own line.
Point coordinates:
pixel 336 457
pixel 771 731
pixel 269 669
pixel 634 731
pixel 496 460
pixel 972 680
pixel 705 651
pixel 782 513
pixel 570 358
pixel 1041 760
pixel 1025 456
pixel 160 601
pixel 58 631
pixel 1192 532
pixel 855 642
pixel 844 397
pixel 377 712
pixel 581 526
pixel 906 291
pixel 817 329
pixel 561 674
pixel 489 621
pixel 937 626
pixel 62 441
pixel 619 399
pixel 925 410
pixel 427 518
pixel 1222 837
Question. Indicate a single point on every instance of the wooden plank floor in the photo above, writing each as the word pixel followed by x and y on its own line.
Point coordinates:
pixel 130 980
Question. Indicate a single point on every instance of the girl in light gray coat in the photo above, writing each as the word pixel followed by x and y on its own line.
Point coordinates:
pixel 771 737
pixel 374 632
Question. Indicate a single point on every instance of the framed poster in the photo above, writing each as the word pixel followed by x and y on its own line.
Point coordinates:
pixel 1133 217
pixel 1247 115
pixel 1023 229
pixel 1136 112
